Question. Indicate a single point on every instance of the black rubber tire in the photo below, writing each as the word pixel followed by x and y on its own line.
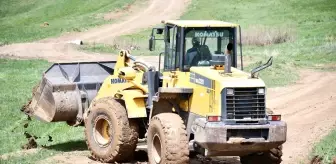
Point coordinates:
pixel 172 134
pixel 123 132
pixel 272 156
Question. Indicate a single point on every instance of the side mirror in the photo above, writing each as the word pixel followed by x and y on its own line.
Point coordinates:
pixel 152 43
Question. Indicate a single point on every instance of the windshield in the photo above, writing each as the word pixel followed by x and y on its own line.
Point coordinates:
pixel 201 43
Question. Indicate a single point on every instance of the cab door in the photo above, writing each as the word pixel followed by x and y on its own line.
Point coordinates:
pixel 173 74
pixel 171 57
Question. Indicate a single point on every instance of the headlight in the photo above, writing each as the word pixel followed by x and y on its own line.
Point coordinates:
pixel 229 91
pixel 261 91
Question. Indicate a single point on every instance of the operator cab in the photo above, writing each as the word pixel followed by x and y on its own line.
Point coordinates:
pixel 196 43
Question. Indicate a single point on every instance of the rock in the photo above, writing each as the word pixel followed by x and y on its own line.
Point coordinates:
pixel 77 42
pixel 45 24
pixel 316 160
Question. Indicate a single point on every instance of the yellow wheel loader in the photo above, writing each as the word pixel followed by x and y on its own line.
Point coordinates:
pixel 198 100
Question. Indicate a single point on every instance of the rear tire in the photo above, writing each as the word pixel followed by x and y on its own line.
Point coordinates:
pixel 272 156
pixel 110 135
pixel 167 140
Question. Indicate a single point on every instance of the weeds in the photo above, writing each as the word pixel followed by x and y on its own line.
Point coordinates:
pixel 262 35
pixel 109 48
pixel 325 150
pixel 4 43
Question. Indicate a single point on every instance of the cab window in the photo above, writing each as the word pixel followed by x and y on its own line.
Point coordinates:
pixel 171 61
pixel 201 43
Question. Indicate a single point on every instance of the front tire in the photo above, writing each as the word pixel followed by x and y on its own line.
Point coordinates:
pixel 110 135
pixel 272 156
pixel 167 140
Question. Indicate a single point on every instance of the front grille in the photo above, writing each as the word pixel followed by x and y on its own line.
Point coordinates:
pixel 245 103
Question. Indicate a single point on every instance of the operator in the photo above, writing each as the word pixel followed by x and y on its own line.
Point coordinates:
pixel 193 51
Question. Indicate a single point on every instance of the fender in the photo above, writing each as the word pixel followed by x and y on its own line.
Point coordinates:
pixel 135 103
pixel 134 100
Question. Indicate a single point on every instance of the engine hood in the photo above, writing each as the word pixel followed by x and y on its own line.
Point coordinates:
pixel 237 78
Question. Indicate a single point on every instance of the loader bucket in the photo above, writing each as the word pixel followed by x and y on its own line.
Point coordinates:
pixel 67 89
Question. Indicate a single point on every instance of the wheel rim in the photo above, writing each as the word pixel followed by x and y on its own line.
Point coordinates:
pixel 156 145
pixel 102 132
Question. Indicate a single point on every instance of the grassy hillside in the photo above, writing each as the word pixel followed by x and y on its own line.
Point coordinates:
pixel 312 23
pixel 22 21
pixel 308 28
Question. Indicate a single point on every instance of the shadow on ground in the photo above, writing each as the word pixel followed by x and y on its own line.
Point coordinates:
pixel 140 156
pixel 68 146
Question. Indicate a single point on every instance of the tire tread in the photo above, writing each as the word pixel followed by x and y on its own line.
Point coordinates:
pixel 128 132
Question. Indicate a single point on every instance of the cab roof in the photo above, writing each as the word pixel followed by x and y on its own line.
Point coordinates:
pixel 200 23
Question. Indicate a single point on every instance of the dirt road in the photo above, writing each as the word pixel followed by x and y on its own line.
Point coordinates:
pixel 58 50
pixel 307 106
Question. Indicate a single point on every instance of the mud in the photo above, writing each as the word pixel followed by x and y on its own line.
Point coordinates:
pixel 25 108
pixel 218 160
pixel 318 160
pixel 32 139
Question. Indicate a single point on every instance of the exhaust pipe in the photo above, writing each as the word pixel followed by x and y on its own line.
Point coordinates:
pixel 228 60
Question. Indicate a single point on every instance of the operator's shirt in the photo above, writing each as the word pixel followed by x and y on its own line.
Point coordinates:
pixel 191 53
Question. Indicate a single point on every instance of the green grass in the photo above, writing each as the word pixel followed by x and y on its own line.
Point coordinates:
pixel 21 21
pixel 17 78
pixel 326 148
